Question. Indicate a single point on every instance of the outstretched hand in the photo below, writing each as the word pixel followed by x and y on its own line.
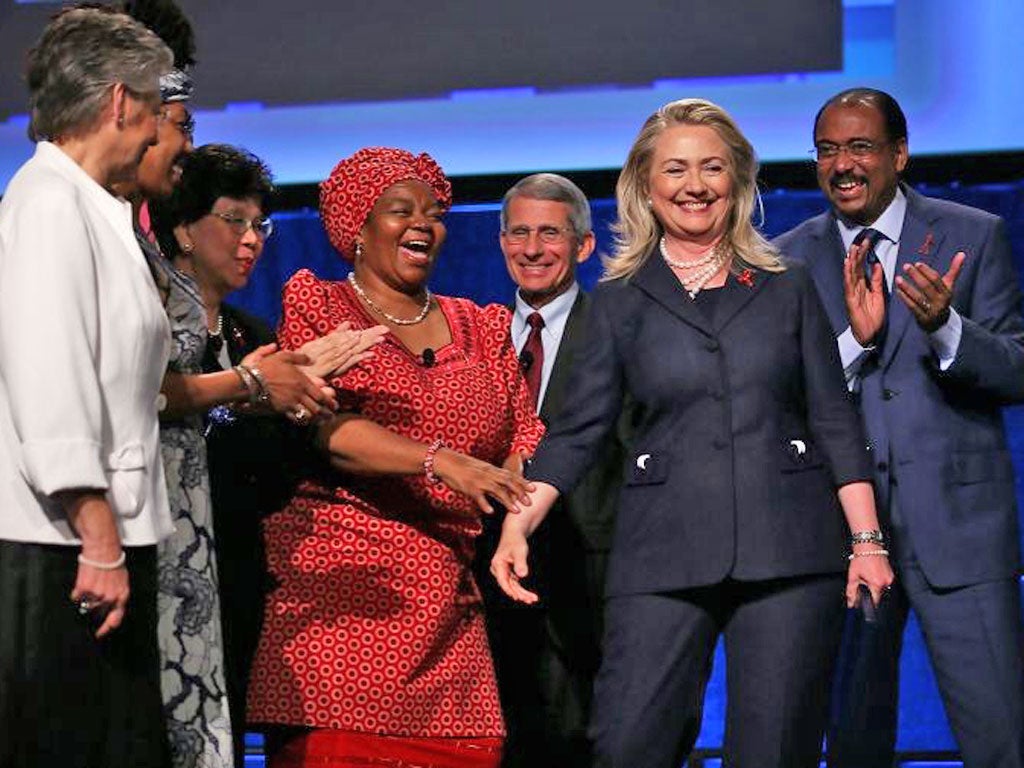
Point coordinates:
pixel 509 565
pixel 481 481
pixel 340 350
pixel 292 391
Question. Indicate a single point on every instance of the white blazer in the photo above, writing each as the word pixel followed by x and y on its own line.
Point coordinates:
pixel 84 343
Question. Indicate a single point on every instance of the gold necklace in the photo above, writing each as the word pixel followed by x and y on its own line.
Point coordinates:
pixel 386 315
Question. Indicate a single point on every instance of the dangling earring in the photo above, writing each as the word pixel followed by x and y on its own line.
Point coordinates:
pixel 359 250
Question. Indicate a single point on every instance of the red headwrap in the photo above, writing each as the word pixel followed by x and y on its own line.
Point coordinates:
pixel 355 184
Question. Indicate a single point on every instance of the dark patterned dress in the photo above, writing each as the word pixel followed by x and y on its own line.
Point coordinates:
pixel 376 625
pixel 189 632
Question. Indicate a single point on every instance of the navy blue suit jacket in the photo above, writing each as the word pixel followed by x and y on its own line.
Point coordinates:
pixel 715 485
pixel 942 431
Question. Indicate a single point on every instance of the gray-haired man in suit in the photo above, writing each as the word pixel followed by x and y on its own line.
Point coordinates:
pixel 546 657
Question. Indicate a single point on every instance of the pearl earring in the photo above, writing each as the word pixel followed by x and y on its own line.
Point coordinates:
pixel 359 250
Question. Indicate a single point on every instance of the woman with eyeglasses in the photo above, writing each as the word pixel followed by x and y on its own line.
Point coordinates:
pixel 211 233
pixel 374 649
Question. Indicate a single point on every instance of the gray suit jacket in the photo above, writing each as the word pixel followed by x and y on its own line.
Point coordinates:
pixel 938 436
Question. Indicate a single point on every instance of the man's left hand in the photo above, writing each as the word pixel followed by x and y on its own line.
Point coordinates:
pixel 928 294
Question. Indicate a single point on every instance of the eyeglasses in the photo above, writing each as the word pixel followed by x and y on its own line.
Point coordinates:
pixel 263 226
pixel 187 127
pixel 858 149
pixel 547 234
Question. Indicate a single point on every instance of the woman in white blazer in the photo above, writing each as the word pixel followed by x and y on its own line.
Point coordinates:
pixel 83 347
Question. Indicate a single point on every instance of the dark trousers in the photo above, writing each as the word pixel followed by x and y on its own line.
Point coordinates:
pixel 781 639
pixel 68 700
pixel 546 655
pixel 974 639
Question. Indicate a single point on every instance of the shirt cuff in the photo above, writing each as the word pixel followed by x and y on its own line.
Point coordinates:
pixel 851 353
pixel 945 340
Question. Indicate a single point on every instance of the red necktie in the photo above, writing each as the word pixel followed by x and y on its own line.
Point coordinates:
pixel 532 356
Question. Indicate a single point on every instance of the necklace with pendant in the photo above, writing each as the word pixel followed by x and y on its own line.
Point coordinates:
pixel 386 315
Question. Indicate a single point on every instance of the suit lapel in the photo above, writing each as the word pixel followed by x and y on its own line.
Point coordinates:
pixel 826 267
pixel 562 368
pixel 656 280
pixel 918 242
pixel 734 297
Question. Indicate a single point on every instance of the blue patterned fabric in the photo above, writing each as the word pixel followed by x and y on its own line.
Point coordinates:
pixel 189 631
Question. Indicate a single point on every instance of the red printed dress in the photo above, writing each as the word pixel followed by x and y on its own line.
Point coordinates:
pixel 376 625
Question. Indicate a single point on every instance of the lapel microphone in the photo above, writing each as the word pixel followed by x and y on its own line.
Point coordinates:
pixel 429 358
pixel 525 360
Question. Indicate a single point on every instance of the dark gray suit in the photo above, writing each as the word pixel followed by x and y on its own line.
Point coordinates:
pixel 944 480
pixel 728 521
pixel 547 656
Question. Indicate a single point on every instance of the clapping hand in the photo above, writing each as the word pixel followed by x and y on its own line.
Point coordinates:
pixel 928 294
pixel 865 302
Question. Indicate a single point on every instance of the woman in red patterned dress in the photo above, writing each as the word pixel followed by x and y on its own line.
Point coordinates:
pixel 374 650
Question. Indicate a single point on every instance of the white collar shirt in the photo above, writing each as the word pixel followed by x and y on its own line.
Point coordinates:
pixel 556 315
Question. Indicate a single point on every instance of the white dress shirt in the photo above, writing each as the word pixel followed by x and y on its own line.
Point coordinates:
pixel 556 315
pixel 84 343
pixel 945 341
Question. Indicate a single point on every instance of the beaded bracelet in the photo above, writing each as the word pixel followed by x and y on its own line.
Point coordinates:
pixel 869 553
pixel 867 537
pixel 428 461
pixel 112 566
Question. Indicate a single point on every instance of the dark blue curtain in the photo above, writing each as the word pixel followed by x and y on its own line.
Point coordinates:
pixel 472 265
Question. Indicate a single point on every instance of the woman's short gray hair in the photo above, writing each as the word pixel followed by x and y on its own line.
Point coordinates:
pixel 80 56
pixel 555 188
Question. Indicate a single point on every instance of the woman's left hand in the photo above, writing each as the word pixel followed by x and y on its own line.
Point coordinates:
pixel 340 350
pixel 874 572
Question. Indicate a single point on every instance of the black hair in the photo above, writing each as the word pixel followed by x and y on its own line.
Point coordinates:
pixel 892 115
pixel 170 24
pixel 210 172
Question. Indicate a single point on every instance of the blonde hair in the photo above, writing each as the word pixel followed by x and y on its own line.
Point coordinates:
pixel 637 230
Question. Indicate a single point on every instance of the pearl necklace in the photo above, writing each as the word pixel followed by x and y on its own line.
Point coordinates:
pixel 220 326
pixel 705 259
pixel 707 266
pixel 389 317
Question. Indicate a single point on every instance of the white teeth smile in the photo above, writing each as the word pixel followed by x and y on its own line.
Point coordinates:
pixel 694 205
pixel 420 246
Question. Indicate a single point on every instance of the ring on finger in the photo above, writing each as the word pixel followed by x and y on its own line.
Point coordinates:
pixel 300 415
pixel 84 606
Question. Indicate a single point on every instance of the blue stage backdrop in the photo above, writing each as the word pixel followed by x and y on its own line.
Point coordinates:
pixel 471 265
